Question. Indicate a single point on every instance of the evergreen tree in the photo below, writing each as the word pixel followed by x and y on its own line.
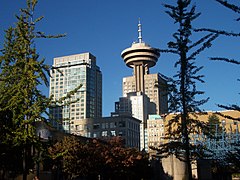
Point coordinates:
pixel 21 101
pixel 183 86
pixel 235 8
pixel 213 124
pixel 232 157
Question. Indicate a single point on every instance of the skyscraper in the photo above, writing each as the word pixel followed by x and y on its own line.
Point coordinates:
pixel 68 73
pixel 141 57
pixel 154 88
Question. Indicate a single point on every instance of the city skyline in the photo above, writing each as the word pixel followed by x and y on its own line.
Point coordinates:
pixel 105 29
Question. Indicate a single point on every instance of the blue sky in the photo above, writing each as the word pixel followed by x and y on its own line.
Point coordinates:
pixel 106 28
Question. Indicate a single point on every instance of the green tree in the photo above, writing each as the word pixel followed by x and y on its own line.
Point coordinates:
pixel 235 8
pixel 214 126
pixel 21 101
pixel 182 89
pixel 231 157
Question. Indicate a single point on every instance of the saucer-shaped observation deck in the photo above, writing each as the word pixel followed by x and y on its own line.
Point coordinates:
pixel 140 56
pixel 140 53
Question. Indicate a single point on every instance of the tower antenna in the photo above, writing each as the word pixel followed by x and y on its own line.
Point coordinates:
pixel 139 31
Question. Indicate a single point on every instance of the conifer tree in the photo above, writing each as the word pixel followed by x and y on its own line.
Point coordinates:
pixel 21 101
pixel 214 126
pixel 235 8
pixel 232 157
pixel 182 89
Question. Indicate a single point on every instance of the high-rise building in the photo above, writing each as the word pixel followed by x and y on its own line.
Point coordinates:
pixel 68 73
pixel 141 57
pixel 154 87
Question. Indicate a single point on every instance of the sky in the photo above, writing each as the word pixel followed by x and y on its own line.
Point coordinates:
pixel 105 28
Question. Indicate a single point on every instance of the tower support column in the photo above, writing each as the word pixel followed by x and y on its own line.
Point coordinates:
pixel 139 72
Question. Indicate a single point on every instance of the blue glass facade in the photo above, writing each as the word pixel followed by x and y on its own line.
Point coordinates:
pixel 68 73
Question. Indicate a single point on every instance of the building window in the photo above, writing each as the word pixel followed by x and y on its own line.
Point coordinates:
pixel 96 126
pixel 112 125
pixel 95 135
pixel 121 133
pixel 103 125
pixel 113 133
pixel 104 133
pixel 122 124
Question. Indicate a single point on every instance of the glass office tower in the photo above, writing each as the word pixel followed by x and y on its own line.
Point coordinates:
pixel 68 73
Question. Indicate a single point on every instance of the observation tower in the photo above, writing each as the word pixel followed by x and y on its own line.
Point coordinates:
pixel 140 56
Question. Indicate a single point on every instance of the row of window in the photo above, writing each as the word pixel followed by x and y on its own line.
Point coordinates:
pixel 105 125
pixel 155 125
pixel 154 144
pixel 104 134
pixel 161 134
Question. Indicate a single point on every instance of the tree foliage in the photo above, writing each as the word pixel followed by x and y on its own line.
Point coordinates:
pixel 214 126
pixel 235 8
pixel 182 89
pixel 21 101
pixel 233 157
pixel 93 158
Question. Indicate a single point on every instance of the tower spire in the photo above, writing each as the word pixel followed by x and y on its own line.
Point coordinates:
pixel 139 31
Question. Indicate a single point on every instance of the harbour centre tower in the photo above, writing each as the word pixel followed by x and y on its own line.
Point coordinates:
pixel 144 94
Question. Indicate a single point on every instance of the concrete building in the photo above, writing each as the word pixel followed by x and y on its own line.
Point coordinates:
pixel 155 132
pixel 140 104
pixel 154 87
pixel 226 139
pixel 123 107
pixel 106 127
pixel 68 73
pixel 229 119
pixel 136 105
